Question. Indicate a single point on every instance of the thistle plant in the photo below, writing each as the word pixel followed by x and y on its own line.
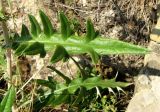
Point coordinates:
pixel 64 44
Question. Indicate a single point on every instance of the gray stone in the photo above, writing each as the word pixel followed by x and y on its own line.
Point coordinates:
pixel 147 84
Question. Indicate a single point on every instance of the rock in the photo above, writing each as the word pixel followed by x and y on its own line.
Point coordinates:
pixel 147 84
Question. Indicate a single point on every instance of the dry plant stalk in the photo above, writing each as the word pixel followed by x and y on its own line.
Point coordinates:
pixel 7 43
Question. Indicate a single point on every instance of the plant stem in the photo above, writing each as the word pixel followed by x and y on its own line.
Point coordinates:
pixel 83 74
pixel 7 43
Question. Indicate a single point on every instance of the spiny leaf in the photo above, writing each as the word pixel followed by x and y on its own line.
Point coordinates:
pixel 65 27
pixel 35 27
pixel 90 83
pixel 77 44
pixel 64 90
pixel 8 100
pixel 59 54
pixel 47 25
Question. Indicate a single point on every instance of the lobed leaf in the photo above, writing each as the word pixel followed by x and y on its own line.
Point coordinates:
pixel 90 83
pixel 63 46
pixel 63 91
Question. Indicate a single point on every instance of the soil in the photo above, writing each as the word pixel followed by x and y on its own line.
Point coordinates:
pixel 126 20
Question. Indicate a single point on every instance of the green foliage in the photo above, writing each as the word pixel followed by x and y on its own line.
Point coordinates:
pixel 25 32
pixel 35 27
pixel 90 83
pixel 8 100
pixel 108 103
pixel 91 33
pixel 59 54
pixel 31 49
pixel 65 27
pixel 61 92
pixel 65 44
pixel 47 25
pixel 48 40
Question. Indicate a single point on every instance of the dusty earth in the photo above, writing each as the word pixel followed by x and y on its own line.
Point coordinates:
pixel 126 20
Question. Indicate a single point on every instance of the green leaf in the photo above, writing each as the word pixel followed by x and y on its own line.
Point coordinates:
pixel 91 34
pixel 35 48
pixel 47 25
pixel 20 49
pixel 8 100
pixel 3 102
pixel 51 80
pixel 59 99
pixel 94 56
pixel 31 49
pixel 75 45
pixel 68 80
pixel 61 93
pixel 65 27
pixel 25 32
pixel 74 85
pixel 25 36
pixel 39 104
pixel 59 54
pixel 90 83
pixel 14 43
pixel 35 27
pixel 60 87
pixel 81 96
pixel 46 83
